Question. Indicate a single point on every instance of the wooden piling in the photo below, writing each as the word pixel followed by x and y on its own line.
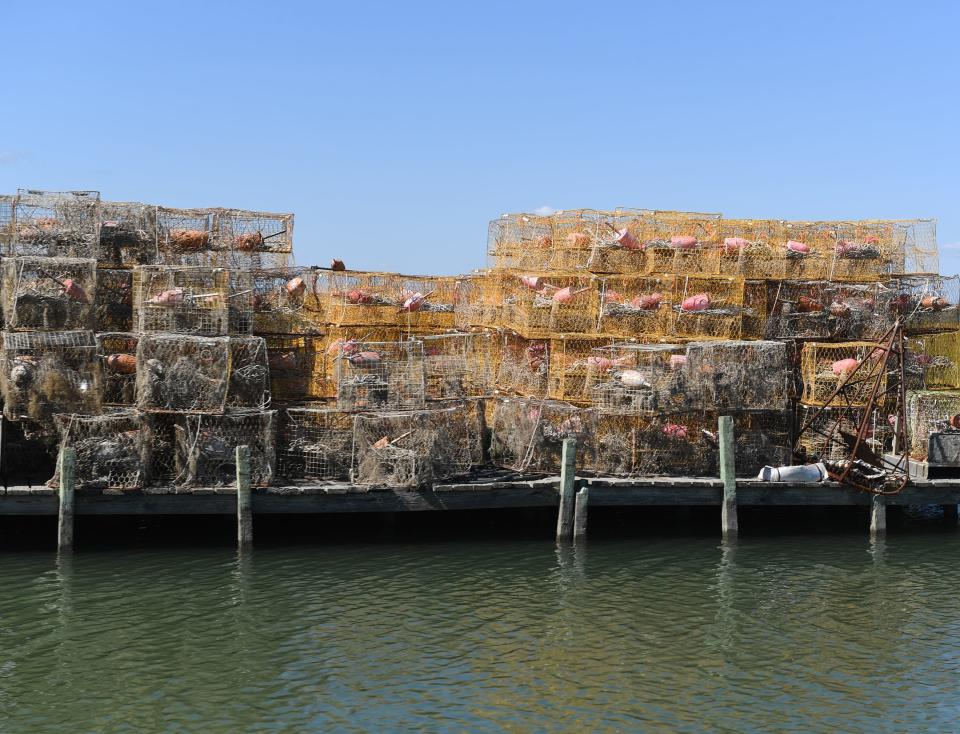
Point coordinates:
pixel 728 475
pixel 580 514
pixel 568 468
pixel 244 514
pixel 878 515
pixel 66 464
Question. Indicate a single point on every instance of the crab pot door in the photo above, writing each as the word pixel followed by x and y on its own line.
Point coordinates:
pixel 113 305
pixel 457 366
pixel 249 385
pixel 112 451
pixel 206 448
pixel 380 376
pixel 184 232
pixel 128 234
pixel 934 359
pixel 316 444
pixel 50 372
pixel 528 434
pixel 640 379
pixel 929 303
pixel 49 293
pixel 739 375
pixel 636 306
pixel 286 301
pixel 520 242
pixel 56 224
pixel 181 300
pixel 708 308
pixel 930 412
pixel 523 365
pixel 250 232
pixel 179 373
pixel 118 360
pixel 852 369
pixel 799 310
pixel 427 302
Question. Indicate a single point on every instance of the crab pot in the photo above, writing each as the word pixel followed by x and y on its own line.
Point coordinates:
pixel 799 310
pixel 550 304
pixel 739 375
pixel 206 447
pixel 245 231
pixel 184 231
pixel 249 385
pixel 48 293
pixel 708 308
pixel 458 366
pixel 6 223
pixel 231 259
pixel 478 300
pixel 525 309
pixel 930 412
pixel 617 245
pixel 179 373
pixel 427 302
pixel 934 359
pixel 669 445
pixel 929 303
pixel 819 238
pixel 113 305
pixel 826 368
pixel 762 438
pixel 56 224
pixel 571 367
pixel 640 379
pixel 667 253
pixel 328 349
pixel 750 248
pixel 832 431
pixel 286 301
pixel 181 300
pixel 128 234
pixel 636 306
pixel 756 306
pixel 316 443
pixel 118 364
pixel 864 251
pixel 112 450
pixel 528 433
pixel 523 365
pixel 861 311
pixel 414 448
pixel 520 241
pixel 380 376
pixel 575 233
pixel 361 299
pixel 916 239
pixel 240 303
pixel 50 372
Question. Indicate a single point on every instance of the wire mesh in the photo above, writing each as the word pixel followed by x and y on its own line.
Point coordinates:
pixel 240 302
pixel 206 447
pixel 617 245
pixel 48 293
pixel 537 305
pixel 751 249
pixel 739 375
pixel 380 376
pixel 293 373
pixel 248 231
pixel 917 239
pixel 571 367
pixel 853 368
pixel 520 241
pixel 50 372
pixel 708 307
pixel 329 348
pixel 756 307
pixel 864 251
pixel 128 234
pixel 640 379
pixel 928 303
pixel 118 364
pixel 679 243
pixel 808 249
pixel 55 224
pixel 831 432
pixel 523 365
pixel 113 303
pixel 180 373
pixel 316 443
pixel 762 438
pixel 287 301
pixel 928 413
pixel 800 310
pixel 427 302
pixel 361 299
pixel 667 445
pixel 636 306
pixel 184 231
pixel 478 300
pixel 249 385
pixel 181 300
pixel 112 450
pixel 458 365
pixel 528 433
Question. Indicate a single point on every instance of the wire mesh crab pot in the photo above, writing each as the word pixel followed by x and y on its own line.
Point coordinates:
pixel 640 379
pixel 575 233
pixel 808 249
pixel 861 311
pixel 528 433
pixel 679 243
pixel 414 448
pixel 829 434
pixel 756 306
pixel 929 303
pixel 6 222
pixel 361 299
pixel 249 385
pixel 128 234
pixel 55 224
pixel 316 443
pixel 916 239
pixel 113 304
pixel 247 231
pixel 851 369
pixel 616 246
pixel 180 373
pixel 934 359
pixel 636 306
pixel 520 241
pixel 930 412
pixel 50 372
pixel 112 450
pixel 118 363
pixel 739 375
pixel 206 447
pixel 572 366
pixel 751 249
pixel 380 376
pixel 336 342
pixel 864 251
pixel 286 301
pixel 48 293
pixel 799 310
pixel 184 231
pixel 544 305
pixel 240 302
pixel 478 300
pixel 523 365
pixel 680 445
pixel 428 302
pixel 181 300
pixel 762 438
pixel 458 365
pixel 708 308
pixel 293 372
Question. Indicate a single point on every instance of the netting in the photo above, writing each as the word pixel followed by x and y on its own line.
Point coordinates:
pixel 852 367
pixel 184 231
pixel 640 379
pixel 414 448
pixel 55 224
pixel 316 443
pixel 427 302
pixel 181 300
pixel 751 249
pixel 458 365
pixel 808 250
pixel 249 385
pixel 128 234
pixel 246 231
pixel 832 432
pixel 528 433
pixel 380 375
pixel 361 299
pixel 679 243
pixel 286 301
pixel 739 375
pixel 708 308
pixel 206 447
pixel 240 302
pixel 478 300
pixel 523 365
pixel 930 412
pixel 917 239
pixel 935 360
pixel 668 445
pixel 864 251
pixel 928 303
pixel 50 372
pixel 48 293
pixel 179 373
pixel 112 450
pixel 540 305
pixel 636 306
pixel 113 303
pixel 118 361
pixel 520 241
pixel 571 367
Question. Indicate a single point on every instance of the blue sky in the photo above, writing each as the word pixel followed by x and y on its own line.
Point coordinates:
pixel 395 131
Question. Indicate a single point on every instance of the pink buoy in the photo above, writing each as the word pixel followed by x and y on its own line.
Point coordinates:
pixel 732 245
pixel 699 302
pixel 627 240
pixel 799 247
pixel 844 366
pixel 678 361
pixel 683 242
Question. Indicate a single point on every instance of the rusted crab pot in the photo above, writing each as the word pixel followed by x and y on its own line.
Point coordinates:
pixel 181 300
pixel 527 434
pixel 628 378
pixel 315 443
pixel 287 301
pixel 55 224
pixel 249 231
pixel 128 234
pixel 113 451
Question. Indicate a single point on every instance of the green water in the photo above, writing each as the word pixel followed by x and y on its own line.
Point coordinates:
pixel 782 634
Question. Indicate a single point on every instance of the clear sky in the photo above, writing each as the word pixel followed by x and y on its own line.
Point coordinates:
pixel 396 130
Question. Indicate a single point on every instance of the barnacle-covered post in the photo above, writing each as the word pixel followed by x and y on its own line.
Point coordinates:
pixel 244 514
pixel 67 461
pixel 728 475
pixel 568 469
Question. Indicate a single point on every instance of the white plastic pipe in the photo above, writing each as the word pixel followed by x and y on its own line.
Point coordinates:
pixel 801 473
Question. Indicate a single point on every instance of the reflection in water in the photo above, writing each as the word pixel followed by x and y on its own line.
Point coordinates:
pixel 672 635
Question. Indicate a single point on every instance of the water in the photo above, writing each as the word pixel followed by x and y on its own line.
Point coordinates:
pixel 786 634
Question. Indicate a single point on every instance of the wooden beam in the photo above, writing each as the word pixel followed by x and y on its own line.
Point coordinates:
pixel 67 462
pixel 244 511
pixel 580 514
pixel 728 475
pixel 568 468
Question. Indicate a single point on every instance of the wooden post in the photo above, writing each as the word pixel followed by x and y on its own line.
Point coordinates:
pixel 728 475
pixel 580 514
pixel 66 465
pixel 244 515
pixel 568 468
pixel 878 515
